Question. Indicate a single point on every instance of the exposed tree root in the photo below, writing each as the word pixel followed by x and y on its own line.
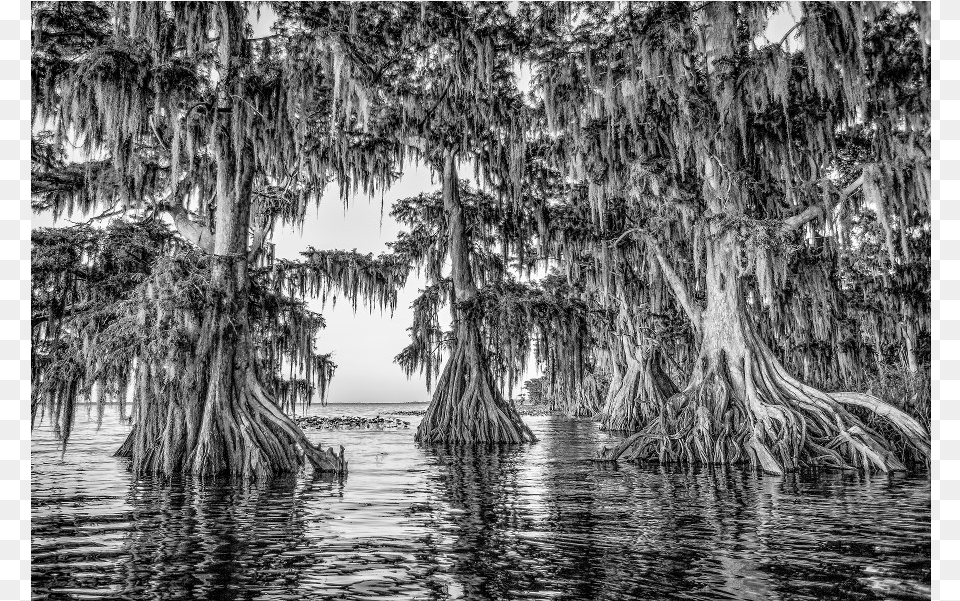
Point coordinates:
pixel 222 423
pixel 212 416
pixel 744 407
pixel 741 405
pixel 637 394
pixel 239 431
pixel 467 408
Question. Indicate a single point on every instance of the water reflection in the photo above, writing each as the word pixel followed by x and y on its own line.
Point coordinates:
pixel 188 540
pixel 487 522
pixel 526 522
pixel 584 531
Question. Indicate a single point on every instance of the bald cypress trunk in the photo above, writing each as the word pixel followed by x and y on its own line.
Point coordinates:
pixel 638 393
pixel 741 405
pixel 221 419
pixel 466 406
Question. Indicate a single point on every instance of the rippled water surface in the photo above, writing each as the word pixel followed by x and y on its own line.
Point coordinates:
pixel 540 521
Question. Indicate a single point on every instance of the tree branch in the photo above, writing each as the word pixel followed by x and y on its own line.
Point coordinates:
pixel 266 37
pixel 679 287
pixel 620 238
pixel 443 95
pixel 259 235
pixel 416 142
pixel 789 31
pixel 815 211
pixel 105 214
pixel 191 231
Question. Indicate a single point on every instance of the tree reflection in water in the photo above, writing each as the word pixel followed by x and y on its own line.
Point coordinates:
pixel 579 530
pixel 526 522
pixel 484 519
pixel 191 540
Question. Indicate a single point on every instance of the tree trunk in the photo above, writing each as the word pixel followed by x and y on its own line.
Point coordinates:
pixel 588 398
pixel 638 393
pixel 909 343
pixel 467 407
pixel 741 405
pixel 218 418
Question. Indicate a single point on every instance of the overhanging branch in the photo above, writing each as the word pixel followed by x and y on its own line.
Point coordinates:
pixel 680 289
pixel 815 211
pixel 677 285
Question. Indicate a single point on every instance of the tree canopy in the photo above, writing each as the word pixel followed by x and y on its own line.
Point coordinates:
pixel 701 219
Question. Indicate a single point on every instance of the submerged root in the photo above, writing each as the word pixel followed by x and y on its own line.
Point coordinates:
pixel 238 431
pixel 750 410
pixel 467 408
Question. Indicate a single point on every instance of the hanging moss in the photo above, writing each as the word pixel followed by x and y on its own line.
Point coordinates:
pixel 722 210
pixel 712 144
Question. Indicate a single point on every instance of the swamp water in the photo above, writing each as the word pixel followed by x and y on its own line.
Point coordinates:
pixel 540 521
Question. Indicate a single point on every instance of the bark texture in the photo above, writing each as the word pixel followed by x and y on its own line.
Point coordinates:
pixel 638 393
pixel 741 405
pixel 588 398
pixel 224 422
pixel 467 407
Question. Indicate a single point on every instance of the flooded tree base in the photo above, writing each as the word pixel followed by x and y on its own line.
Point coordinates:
pixel 743 407
pixel 433 519
pixel 466 407
pixel 636 396
pixel 239 432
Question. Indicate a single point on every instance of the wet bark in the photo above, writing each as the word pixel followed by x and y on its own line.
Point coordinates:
pixel 467 407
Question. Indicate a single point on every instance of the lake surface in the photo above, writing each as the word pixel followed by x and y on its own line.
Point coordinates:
pixel 533 522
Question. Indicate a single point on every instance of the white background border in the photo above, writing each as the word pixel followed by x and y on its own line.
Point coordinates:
pixel 945 292
pixel 15 300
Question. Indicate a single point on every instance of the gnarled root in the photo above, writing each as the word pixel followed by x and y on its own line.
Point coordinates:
pixel 746 408
pixel 466 407
pixel 237 431
pixel 637 396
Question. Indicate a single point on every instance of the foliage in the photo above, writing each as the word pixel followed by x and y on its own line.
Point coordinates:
pixel 171 113
pixel 109 303
pixel 677 199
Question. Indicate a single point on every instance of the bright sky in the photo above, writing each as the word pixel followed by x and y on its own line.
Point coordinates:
pixel 363 344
